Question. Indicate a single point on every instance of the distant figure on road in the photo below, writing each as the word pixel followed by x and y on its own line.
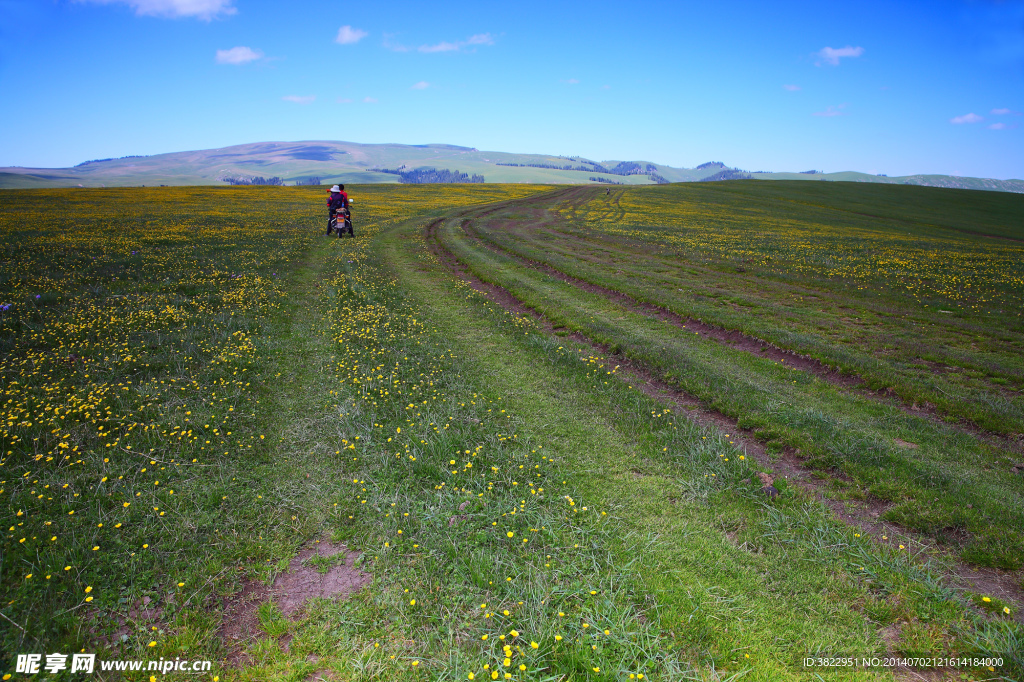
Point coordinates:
pixel 337 207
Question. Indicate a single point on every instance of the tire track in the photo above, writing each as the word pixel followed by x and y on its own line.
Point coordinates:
pixel 1007 585
pixel 753 345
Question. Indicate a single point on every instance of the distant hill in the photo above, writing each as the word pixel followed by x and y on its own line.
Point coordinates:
pixel 329 162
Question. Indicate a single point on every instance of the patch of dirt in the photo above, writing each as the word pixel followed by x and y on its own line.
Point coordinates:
pixel 239 624
pixel 864 515
pixel 302 581
pixel 143 614
pixel 291 590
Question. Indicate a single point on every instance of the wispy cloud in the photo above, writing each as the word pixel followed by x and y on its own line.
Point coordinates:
pixel 831 55
pixel 1002 126
pixel 966 118
pixel 831 111
pixel 422 85
pixel 200 9
pixel 238 55
pixel 606 87
pixel 348 35
pixel 791 88
pixel 370 100
pixel 1005 112
pixel 439 47
pixel 390 44
pixel 299 99
pixel 343 100
pixel 572 81
pixel 444 46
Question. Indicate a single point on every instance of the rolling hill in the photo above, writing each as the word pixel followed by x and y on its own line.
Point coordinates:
pixel 350 162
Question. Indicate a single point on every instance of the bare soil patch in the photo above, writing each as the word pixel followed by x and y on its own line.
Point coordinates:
pixel 290 591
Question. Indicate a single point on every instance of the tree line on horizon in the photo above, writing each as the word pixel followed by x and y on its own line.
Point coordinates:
pixel 255 180
pixel 420 176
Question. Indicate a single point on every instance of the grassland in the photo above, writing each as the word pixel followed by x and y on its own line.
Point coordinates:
pixel 197 383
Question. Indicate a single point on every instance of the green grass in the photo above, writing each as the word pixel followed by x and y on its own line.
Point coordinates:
pixel 971 211
pixel 378 395
pixel 788 407
pixel 896 317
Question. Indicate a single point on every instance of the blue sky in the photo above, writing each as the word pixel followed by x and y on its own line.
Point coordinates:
pixel 886 87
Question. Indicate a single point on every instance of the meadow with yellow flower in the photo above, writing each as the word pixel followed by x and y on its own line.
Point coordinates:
pixel 197 382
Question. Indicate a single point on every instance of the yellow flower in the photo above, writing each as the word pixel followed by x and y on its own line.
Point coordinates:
pixel 534 645
pixel 986 599
pixel 88 589
pixel 513 633
pixel 152 644
pixel 471 676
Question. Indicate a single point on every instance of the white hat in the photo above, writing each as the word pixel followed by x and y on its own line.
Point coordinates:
pixel 335 189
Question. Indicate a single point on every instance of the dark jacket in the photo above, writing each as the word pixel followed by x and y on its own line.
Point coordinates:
pixel 337 201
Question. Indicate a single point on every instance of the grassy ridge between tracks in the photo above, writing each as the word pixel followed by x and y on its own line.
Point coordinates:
pixel 953 485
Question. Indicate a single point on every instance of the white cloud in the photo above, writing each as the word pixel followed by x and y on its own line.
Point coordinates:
pixel 1005 112
pixel 444 46
pixel 238 55
pixel 832 56
pixel 369 100
pixel 343 100
pixel 831 111
pixel 791 88
pixel 606 87
pixel 348 35
pixel 966 118
pixel 997 126
pixel 422 85
pixel 299 99
pixel 201 9
pixel 572 81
